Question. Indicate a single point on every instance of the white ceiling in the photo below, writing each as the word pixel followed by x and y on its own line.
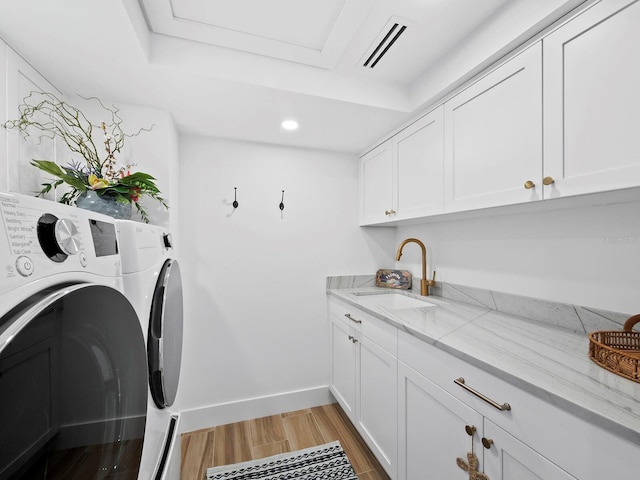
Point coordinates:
pixel 237 68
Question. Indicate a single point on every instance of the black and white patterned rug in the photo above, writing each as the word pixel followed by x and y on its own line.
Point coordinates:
pixel 324 462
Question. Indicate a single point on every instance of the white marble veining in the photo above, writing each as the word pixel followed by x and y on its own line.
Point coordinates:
pixel 534 354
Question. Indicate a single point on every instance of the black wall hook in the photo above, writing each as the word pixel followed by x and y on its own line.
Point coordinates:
pixel 235 202
pixel 282 201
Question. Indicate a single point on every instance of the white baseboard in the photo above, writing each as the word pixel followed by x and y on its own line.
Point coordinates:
pixel 211 416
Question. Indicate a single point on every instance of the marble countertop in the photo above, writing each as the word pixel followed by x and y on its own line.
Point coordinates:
pixel 549 362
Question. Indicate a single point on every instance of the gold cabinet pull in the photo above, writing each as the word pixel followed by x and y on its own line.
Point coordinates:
pixel 503 407
pixel 529 184
pixel 389 212
pixel 355 320
pixel 548 180
pixel 470 429
pixel 487 442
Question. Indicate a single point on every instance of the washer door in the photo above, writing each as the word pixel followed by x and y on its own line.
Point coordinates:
pixel 164 343
pixel 73 399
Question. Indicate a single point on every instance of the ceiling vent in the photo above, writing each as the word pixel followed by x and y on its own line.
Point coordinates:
pixel 385 40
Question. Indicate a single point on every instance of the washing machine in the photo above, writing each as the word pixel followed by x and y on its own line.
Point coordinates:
pixel 153 284
pixel 73 363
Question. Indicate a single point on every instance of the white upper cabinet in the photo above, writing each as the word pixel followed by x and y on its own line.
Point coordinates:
pixel 376 185
pixel 418 152
pixel 22 177
pixel 402 178
pixel 493 137
pixel 592 100
pixel 4 167
pixel 557 119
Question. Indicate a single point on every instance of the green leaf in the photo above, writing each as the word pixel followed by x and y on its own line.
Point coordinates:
pixel 52 168
pixel 49 167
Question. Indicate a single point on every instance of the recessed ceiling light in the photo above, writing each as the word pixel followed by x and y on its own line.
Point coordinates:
pixel 290 125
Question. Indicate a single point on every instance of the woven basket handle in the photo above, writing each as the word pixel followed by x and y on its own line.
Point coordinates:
pixel 631 321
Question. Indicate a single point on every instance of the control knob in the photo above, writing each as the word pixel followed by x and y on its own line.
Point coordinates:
pixel 58 237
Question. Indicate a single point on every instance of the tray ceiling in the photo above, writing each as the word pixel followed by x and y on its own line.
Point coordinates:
pixel 237 68
pixel 310 32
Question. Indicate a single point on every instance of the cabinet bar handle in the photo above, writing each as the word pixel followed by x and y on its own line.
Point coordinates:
pixel 348 315
pixel 460 382
pixel 353 339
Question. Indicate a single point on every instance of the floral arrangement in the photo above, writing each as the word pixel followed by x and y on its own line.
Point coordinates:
pixel 52 117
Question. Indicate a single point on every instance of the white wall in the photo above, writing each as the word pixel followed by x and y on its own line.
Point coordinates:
pixel 254 278
pixel 586 256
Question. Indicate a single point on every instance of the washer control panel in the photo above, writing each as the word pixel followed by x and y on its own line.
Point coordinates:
pixel 39 238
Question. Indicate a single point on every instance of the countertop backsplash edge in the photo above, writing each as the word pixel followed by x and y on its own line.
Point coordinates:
pixel 574 318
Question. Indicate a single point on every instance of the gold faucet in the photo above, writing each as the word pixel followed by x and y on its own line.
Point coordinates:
pixel 424 283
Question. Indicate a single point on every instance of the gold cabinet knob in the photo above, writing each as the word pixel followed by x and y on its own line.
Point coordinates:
pixel 548 180
pixel 470 429
pixel 389 212
pixel 487 442
pixel 529 184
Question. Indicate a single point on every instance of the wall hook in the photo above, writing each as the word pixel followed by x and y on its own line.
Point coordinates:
pixel 235 202
pixel 282 201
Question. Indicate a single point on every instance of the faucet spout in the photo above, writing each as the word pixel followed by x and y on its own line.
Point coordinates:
pixel 424 283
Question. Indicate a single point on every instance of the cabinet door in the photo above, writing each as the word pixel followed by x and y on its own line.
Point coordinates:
pixel 432 429
pixel 4 168
pixel 378 407
pixel 418 151
pixel 493 136
pixel 509 459
pixel 592 101
pixel 343 367
pixel 22 177
pixel 377 189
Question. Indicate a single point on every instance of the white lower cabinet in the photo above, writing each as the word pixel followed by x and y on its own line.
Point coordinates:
pixel 400 394
pixel 364 377
pixel 507 458
pixel 343 366
pixel 432 429
pixel 378 403
pixel 436 429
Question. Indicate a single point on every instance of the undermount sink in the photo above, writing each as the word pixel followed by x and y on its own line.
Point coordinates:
pixel 394 301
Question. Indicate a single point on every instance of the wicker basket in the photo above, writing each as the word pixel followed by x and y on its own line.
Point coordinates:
pixel 618 351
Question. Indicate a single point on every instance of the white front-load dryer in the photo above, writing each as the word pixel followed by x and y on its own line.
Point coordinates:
pixel 73 394
pixel 153 284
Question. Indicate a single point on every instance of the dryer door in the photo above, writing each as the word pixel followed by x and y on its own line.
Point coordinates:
pixel 73 395
pixel 165 335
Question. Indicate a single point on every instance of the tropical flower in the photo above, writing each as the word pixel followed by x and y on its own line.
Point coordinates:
pixel 97 183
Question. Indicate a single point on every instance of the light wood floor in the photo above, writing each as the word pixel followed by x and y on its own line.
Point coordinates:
pixel 266 436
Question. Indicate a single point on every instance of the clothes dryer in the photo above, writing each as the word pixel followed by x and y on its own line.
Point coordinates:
pixel 73 396
pixel 153 284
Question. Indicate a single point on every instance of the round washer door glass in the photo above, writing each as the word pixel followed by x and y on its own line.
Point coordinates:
pixel 73 382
